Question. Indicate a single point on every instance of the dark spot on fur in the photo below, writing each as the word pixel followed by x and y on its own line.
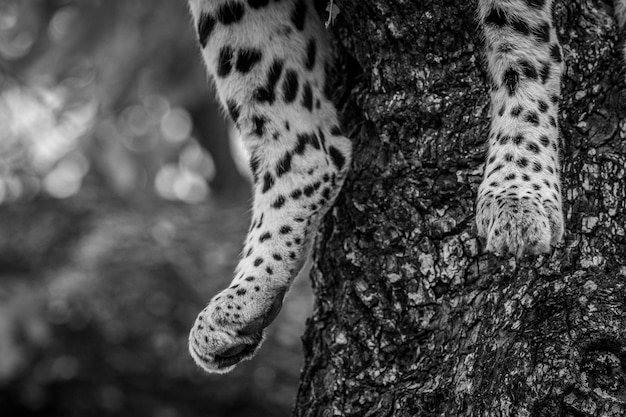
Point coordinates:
pixel 337 157
pixel 305 139
pixel 542 32
pixel 311 52
pixel 555 53
pixel 528 69
pixel 230 12
pixel 224 64
pixel 496 17
pixel 520 25
pixel 308 190
pixel 532 146
pixel 268 182
pixel 532 118
pixel 510 80
pixel 284 165
pixel 494 170
pixel 298 15
pixel 545 72
pixel 255 4
pixel 322 139
pixel 206 23
pixel 267 92
pixel 290 87
pixel 233 110
pixel 279 202
pixel 246 59
pixel 259 123
pixel 552 121
pixel 307 97
pixel 254 167
pixel 538 4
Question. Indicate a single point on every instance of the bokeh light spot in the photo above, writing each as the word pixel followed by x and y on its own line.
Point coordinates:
pixel 176 125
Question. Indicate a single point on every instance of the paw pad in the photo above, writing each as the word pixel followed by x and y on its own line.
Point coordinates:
pixel 518 226
pixel 226 333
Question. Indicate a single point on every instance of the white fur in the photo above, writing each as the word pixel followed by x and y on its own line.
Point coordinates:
pixel 265 29
pixel 534 228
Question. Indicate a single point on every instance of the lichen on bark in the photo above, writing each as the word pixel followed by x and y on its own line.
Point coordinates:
pixel 411 317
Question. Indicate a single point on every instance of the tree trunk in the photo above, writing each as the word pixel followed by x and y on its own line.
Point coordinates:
pixel 411 317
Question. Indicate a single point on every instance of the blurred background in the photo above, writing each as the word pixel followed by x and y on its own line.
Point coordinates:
pixel 123 204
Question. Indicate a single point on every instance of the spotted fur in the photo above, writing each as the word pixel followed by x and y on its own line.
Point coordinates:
pixel 269 60
pixel 519 206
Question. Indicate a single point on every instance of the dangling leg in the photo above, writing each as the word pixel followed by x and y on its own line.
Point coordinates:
pixel 269 61
pixel 519 207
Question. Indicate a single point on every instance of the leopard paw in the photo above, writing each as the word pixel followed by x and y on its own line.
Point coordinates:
pixel 518 222
pixel 232 327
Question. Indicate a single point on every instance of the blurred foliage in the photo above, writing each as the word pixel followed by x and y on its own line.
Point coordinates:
pixel 120 215
pixel 107 88
pixel 95 307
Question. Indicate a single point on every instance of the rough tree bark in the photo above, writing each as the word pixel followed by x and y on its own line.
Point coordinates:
pixel 411 318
